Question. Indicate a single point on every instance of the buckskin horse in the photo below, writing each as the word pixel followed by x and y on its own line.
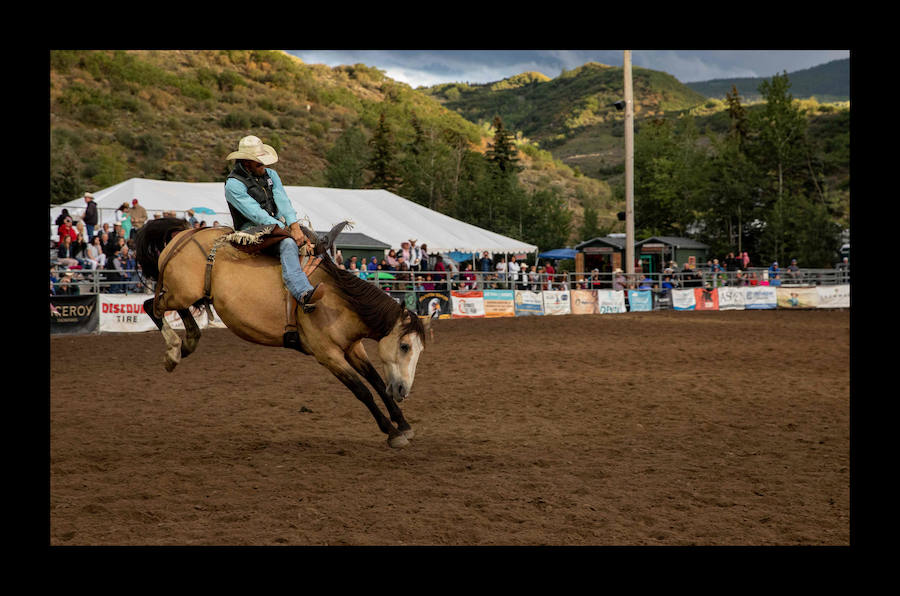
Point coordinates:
pixel 199 267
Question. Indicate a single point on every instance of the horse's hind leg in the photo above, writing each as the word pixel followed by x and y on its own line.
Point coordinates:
pixel 192 332
pixel 340 368
pixel 359 360
pixel 173 342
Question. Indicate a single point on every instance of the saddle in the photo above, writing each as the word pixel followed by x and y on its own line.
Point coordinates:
pixel 264 240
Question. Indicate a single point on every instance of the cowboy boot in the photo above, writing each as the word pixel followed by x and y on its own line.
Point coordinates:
pixel 291 336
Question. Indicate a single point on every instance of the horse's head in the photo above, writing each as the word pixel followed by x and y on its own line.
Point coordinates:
pixel 399 350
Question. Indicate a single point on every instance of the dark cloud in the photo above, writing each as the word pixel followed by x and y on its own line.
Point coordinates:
pixel 429 67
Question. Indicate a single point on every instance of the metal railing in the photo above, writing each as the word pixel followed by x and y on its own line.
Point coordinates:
pixel 130 281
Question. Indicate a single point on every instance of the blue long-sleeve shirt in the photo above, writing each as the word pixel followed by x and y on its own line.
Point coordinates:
pixel 236 194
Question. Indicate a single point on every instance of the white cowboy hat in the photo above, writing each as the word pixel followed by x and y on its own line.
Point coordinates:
pixel 252 148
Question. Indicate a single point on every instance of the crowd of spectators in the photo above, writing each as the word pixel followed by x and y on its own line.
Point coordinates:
pixel 83 245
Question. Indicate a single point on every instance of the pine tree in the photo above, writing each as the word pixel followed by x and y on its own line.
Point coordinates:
pixel 383 162
pixel 502 152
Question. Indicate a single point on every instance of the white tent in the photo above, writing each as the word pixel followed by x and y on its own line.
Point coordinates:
pixel 376 213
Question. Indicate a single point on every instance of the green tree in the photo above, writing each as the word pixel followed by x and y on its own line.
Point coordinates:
pixel 426 167
pixel 548 221
pixel 670 177
pixel 590 227
pixel 347 160
pixel 502 152
pixel 778 147
pixel 383 160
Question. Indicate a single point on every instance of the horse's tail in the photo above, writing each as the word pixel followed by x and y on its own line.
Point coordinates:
pixel 151 239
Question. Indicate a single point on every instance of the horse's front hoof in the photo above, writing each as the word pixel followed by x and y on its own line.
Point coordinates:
pixel 409 433
pixel 398 441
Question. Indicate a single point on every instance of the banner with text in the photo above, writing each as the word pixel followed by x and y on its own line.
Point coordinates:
pixel 467 304
pixel 529 303
pixel 584 302
pixel 834 296
pixel 760 297
pixel 499 303
pixel 610 301
pixel 73 314
pixel 640 300
pixel 731 298
pixel 556 302
pixel 431 304
pixel 706 299
pixel 125 313
pixel 683 299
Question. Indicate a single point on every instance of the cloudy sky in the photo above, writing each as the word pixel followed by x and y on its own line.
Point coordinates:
pixel 429 67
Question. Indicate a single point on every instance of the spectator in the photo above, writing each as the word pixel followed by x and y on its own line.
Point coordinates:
pixel 731 263
pixel 440 269
pixel 62 217
pixel 512 267
pixel 403 273
pixel 619 282
pixel 107 246
pixel 745 260
pixel 667 285
pixel 123 219
pixel 533 280
pixel 94 254
pixel 391 260
pixel 190 217
pixel 428 283
pixel 501 269
pixel 90 215
pixel 773 269
pixel 645 283
pixel 66 286
pixel 468 277
pixel 594 282
pixel 353 266
pixel 65 254
pixel 775 281
pixel 551 275
pixel 421 260
pixel 485 263
pixel 66 229
pixel 740 278
pixel 373 265
pixel 138 215
pixel 794 271
pixel 120 264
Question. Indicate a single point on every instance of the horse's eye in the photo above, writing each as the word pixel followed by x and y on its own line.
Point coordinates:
pixel 404 348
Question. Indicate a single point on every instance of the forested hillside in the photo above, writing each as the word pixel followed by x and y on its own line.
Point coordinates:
pixel 176 115
pixel 531 157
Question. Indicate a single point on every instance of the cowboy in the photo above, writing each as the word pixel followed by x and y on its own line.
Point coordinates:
pixel 90 215
pixel 256 197
pixel 138 214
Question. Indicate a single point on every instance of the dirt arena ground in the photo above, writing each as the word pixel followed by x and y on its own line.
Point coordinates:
pixel 664 428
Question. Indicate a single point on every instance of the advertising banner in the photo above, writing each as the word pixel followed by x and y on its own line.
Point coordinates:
pixel 706 299
pixel 556 302
pixel 529 303
pixel 584 302
pixel 406 299
pixel 833 296
pixel 125 313
pixel 760 297
pixel 640 300
pixel 610 301
pixel 431 304
pixel 499 303
pixel 467 304
pixel 73 314
pixel 731 298
pixel 683 299
pixel 789 297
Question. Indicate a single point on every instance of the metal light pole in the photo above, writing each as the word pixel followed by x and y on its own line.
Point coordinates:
pixel 629 168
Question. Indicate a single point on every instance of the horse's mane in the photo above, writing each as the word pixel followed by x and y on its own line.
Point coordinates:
pixel 375 307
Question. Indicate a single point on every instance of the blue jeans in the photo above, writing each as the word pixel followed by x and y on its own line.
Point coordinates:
pixel 294 278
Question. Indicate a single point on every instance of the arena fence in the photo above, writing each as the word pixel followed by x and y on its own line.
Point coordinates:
pixel 98 301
